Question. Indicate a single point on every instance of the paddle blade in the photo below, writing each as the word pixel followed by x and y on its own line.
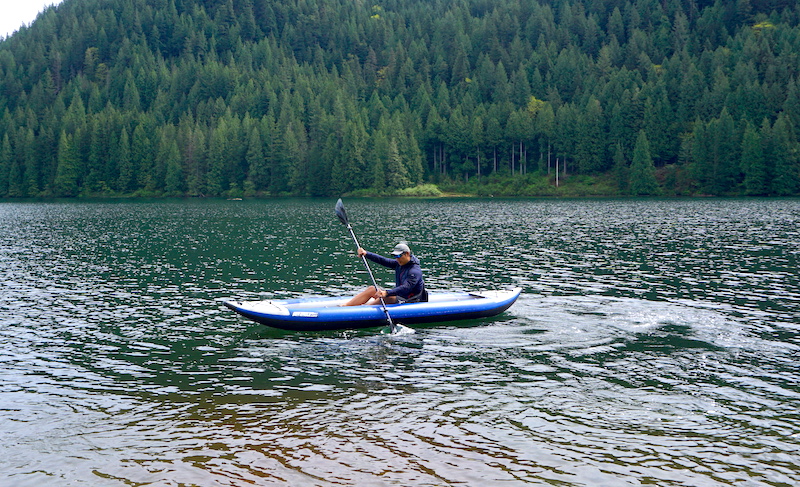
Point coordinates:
pixel 340 212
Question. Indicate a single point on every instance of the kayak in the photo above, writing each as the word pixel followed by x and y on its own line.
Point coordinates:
pixel 313 314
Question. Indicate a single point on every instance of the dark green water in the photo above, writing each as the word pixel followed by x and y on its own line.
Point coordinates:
pixel 656 342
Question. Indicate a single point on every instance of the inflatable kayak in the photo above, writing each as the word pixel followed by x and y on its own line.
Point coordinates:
pixel 305 314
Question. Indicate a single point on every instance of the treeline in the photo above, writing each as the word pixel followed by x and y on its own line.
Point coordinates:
pixel 326 97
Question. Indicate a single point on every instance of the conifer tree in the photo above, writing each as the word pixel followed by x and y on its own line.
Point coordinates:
pixel 396 172
pixel 620 169
pixel 257 172
pixel 590 145
pixel 124 163
pixel 643 172
pixel 692 75
pixel 218 155
pixel 142 155
pixel 753 163
pixel 5 165
pixel 31 184
pixel 66 181
pixel 786 150
pixel 174 180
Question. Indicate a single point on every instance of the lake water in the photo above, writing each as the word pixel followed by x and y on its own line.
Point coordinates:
pixel 655 342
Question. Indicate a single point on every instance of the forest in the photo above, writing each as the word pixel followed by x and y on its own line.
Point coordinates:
pixel 332 97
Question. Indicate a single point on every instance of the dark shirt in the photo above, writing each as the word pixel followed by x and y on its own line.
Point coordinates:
pixel 407 278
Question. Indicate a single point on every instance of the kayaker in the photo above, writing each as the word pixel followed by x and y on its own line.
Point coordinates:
pixel 409 285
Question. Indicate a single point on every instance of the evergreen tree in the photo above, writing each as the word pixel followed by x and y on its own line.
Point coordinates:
pixel 449 82
pixel 753 163
pixel 5 164
pixel 296 147
pixel 349 170
pixel 218 155
pixel 31 164
pixel 701 159
pixel 786 150
pixel 174 180
pixel 725 146
pixel 257 173
pixel 411 156
pixel 396 172
pixel 643 172
pixel 142 158
pixel 195 154
pixel 620 169
pixel 66 182
pixel 589 150
pixel 377 159
pixel 124 163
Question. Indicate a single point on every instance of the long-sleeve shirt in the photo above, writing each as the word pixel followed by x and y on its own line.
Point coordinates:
pixel 407 278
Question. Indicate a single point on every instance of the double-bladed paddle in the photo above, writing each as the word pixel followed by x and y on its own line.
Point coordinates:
pixel 342 214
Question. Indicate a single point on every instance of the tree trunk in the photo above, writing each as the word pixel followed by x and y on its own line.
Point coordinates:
pixel 556 172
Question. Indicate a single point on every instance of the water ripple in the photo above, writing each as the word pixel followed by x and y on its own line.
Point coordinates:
pixel 655 342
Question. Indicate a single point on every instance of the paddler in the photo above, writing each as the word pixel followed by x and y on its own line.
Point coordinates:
pixel 409 285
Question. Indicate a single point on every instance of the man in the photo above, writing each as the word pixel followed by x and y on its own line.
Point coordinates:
pixel 409 286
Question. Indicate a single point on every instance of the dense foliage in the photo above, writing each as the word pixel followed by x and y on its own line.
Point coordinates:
pixel 325 97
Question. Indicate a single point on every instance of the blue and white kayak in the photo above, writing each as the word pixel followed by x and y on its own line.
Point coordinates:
pixel 306 314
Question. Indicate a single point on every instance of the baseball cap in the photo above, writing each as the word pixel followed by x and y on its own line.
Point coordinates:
pixel 400 248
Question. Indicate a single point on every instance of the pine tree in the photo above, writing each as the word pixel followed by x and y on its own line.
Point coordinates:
pixel 142 158
pixel 31 184
pixel 124 164
pixel 701 159
pixel 396 172
pixel 218 153
pixel 174 180
pixel 66 181
pixel 5 164
pixel 440 68
pixel 620 169
pixel 786 150
pixel 643 172
pixel 589 150
pixel 753 163
pixel 257 165
pixel 195 152
pixel 725 150
pixel 296 146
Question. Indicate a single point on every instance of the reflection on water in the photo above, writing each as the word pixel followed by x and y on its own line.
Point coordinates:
pixel 655 342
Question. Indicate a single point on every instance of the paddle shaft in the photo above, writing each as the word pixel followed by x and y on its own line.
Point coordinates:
pixel 371 276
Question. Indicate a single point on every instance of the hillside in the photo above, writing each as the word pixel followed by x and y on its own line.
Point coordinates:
pixel 326 97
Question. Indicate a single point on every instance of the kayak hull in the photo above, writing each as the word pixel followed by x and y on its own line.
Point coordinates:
pixel 314 314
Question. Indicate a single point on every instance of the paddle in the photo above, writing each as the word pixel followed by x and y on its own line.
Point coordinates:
pixel 342 214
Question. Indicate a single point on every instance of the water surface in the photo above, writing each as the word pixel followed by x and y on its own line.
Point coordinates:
pixel 655 342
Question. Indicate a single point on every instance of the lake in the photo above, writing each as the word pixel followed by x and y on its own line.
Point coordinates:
pixel 655 342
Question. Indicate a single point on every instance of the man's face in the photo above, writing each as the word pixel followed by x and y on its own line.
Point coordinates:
pixel 403 258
